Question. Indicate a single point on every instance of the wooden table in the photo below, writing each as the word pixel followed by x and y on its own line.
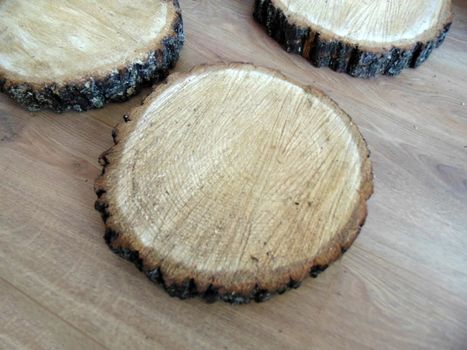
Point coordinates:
pixel 403 285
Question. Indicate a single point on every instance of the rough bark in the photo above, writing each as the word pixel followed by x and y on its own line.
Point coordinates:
pixel 95 92
pixel 338 55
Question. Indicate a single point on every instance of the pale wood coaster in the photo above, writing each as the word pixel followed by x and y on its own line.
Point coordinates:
pixel 234 182
pixel 361 38
pixel 78 54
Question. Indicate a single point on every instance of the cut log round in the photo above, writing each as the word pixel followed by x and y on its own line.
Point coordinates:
pixel 78 55
pixel 361 38
pixel 233 182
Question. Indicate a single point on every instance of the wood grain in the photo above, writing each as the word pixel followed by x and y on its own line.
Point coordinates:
pixel 234 182
pixel 402 285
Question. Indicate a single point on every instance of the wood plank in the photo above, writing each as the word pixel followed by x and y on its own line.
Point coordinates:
pixel 402 285
pixel 26 324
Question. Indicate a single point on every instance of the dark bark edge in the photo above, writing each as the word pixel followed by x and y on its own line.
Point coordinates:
pixel 338 55
pixel 95 92
pixel 188 288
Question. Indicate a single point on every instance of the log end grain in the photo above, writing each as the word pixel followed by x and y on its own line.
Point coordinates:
pixel 238 189
pixel 343 55
pixel 111 83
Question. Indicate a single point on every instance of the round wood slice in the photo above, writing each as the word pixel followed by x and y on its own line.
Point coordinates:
pixel 231 181
pixel 78 54
pixel 362 38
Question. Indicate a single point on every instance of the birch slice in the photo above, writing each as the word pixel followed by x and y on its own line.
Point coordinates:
pixel 361 38
pixel 233 182
pixel 79 54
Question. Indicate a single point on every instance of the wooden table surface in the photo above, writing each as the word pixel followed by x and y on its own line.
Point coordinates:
pixel 403 284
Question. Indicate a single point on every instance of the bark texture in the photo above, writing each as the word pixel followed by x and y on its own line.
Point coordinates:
pixel 95 92
pixel 338 55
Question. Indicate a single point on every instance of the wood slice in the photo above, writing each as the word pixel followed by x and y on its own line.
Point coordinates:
pixel 234 182
pixel 361 38
pixel 78 55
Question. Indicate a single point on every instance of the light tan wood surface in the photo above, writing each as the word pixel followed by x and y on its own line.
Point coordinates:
pixel 402 285
pixel 233 180
pixel 110 35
